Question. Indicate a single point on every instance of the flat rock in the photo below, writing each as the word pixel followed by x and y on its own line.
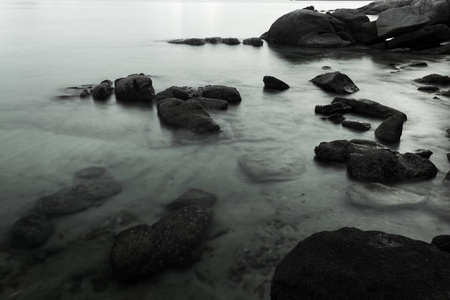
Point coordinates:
pixel 174 241
pixel 335 82
pixel 356 125
pixel 391 129
pixel 271 82
pixel 229 94
pixel 395 21
pixel 102 91
pixel 438 11
pixel 354 264
pixel 369 107
pixel 31 231
pixel 135 87
pixel 334 108
pixel 193 197
pixel 380 196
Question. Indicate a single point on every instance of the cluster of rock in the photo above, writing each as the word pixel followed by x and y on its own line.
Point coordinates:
pixel 92 187
pixel 432 81
pixel 353 264
pixel 175 241
pixel 254 41
pixel 413 24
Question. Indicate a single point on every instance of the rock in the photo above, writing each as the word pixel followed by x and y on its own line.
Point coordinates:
pixel 442 242
pixel 291 27
pixel 377 7
pixel 271 165
pixel 395 21
pixel 189 114
pixel 428 88
pixel 322 40
pixel 190 42
pixel 354 264
pixel 425 153
pixel 31 231
pixel 360 126
pixel 271 82
pixel 386 166
pixel 352 18
pixel 90 172
pixel 103 90
pixel 437 11
pixel 380 196
pixel 174 241
pixel 334 108
pixel 183 93
pixel 340 150
pixel 336 118
pixel 368 34
pixel 86 93
pixel 209 103
pixel 231 41
pixel 391 129
pixel 213 40
pixel 368 107
pixel 229 94
pixel 193 197
pixel 79 197
pixel 136 87
pixel 335 82
pixel 423 38
pixel 445 93
pixel 254 41
pixel 434 79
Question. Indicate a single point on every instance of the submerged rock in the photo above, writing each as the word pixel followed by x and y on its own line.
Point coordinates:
pixel 357 125
pixel 229 94
pixel 193 197
pixel 335 82
pixel 323 40
pixel 174 241
pixel 135 87
pixel 31 231
pixel 380 196
pixel 90 172
pixel 271 82
pixel 369 107
pixel 103 90
pixel 354 264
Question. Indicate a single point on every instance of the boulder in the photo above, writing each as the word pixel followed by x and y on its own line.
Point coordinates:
pixel 434 79
pixel 395 21
pixel 391 129
pixel 190 42
pixel 31 231
pixel 377 7
pixel 369 107
pixel 352 18
pixel 101 91
pixel 291 27
pixel 335 82
pixel 353 264
pixel 135 87
pixel 323 40
pixel 437 11
pixel 340 150
pixel 174 241
pixel 271 82
pixel 229 94
pixel 442 242
pixel 254 41
pixel 386 166
pixel 334 108
pixel 423 38
pixel 381 197
pixel 356 125
pixel 189 114
pixel 230 41
pixel 183 93
pixel 193 197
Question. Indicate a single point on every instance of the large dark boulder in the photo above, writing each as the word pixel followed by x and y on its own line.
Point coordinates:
pixel 101 91
pixel 174 241
pixel 335 82
pixel 31 231
pixel 426 37
pixel 352 18
pixel 391 129
pixel 377 7
pixel 189 114
pixel 136 87
pixel 354 264
pixel 395 21
pixel 229 94
pixel 369 107
pixel 271 82
pixel 193 197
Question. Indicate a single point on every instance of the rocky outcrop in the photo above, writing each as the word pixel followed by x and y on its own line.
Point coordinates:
pixel 190 42
pixel 31 231
pixel 271 82
pixel 369 107
pixel 229 94
pixel 103 90
pixel 354 264
pixel 136 87
pixel 174 241
pixel 391 129
pixel 254 41
pixel 189 114
pixel 356 125
pixel 335 82
pixel 193 197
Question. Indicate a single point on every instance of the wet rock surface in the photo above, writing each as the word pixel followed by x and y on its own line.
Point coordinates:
pixel 354 264
pixel 271 82
pixel 135 87
pixel 31 231
pixel 174 241
pixel 193 197
pixel 335 82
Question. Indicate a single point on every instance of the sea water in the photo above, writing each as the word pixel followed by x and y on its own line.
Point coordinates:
pixel 48 46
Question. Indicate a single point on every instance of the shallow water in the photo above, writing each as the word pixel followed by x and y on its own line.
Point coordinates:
pixel 48 46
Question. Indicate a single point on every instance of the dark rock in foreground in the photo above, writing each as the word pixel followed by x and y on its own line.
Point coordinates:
pixel 190 42
pixel 229 94
pixel 335 82
pixel 254 41
pixel 391 129
pixel 189 114
pixel 193 197
pixel 102 91
pixel 334 108
pixel 434 79
pixel 136 87
pixel 356 125
pixel 354 264
pixel 442 242
pixel 31 231
pixel 369 107
pixel 271 82
pixel 174 241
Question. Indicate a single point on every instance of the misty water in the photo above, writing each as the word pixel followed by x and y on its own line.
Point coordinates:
pixel 48 46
